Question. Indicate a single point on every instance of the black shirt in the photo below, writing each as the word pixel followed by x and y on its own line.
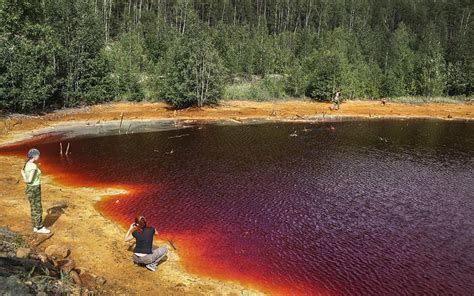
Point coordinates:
pixel 144 240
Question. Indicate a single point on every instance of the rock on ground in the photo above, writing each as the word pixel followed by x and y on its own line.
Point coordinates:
pixel 23 252
pixel 57 251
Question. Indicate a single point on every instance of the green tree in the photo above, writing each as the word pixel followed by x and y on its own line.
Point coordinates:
pixel 56 53
pixel 457 79
pixel 325 78
pixel 79 30
pixel 399 79
pixel 431 65
pixel 27 58
pixel 128 62
pixel 193 70
pixel 158 36
pixel 296 81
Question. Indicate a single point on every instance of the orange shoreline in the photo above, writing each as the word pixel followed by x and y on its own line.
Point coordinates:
pixel 231 110
pixel 73 227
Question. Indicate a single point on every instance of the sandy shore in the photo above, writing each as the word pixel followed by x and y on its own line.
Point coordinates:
pixel 97 242
pixel 19 126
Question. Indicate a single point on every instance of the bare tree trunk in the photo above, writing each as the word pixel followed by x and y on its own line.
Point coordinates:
pixel 223 10
pixel 104 10
pixel 287 24
pixel 308 14
pixel 320 14
pixel 207 82
pixel 108 19
pixel 202 80
pixel 209 14
pixel 467 23
pixel 165 14
pixel 265 12
pixel 258 14
pixel 140 11
pixel 176 19
pixel 351 18
pixel 130 55
pixel 185 16
pixel 275 25
pixel 197 83
pixel 235 13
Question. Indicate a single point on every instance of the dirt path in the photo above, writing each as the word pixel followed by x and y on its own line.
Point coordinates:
pixel 97 243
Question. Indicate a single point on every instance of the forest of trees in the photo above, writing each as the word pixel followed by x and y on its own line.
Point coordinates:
pixel 61 53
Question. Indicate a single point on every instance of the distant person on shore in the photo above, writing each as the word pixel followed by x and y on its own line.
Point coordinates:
pixel 31 175
pixel 336 101
pixel 143 253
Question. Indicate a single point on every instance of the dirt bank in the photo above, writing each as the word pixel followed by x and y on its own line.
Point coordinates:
pixel 97 242
pixel 12 126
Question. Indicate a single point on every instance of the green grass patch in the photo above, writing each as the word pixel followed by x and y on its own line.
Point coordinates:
pixel 271 89
pixel 266 89
pixel 422 100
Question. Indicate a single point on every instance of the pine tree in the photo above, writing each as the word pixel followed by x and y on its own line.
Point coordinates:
pixel 431 65
pixel 193 70
pixel 399 80
pixel 128 61
pixel 296 80
pixel 56 53
pixel 325 78
pixel 27 57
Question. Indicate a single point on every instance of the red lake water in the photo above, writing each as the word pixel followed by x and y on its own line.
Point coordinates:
pixel 379 207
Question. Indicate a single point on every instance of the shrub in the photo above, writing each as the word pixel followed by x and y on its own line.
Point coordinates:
pixel 193 73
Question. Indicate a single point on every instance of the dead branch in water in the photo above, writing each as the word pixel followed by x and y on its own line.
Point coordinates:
pixel 172 245
pixel 235 120
pixel 121 120
pixel 178 136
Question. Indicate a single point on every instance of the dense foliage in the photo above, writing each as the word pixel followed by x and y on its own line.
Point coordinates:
pixel 192 71
pixel 56 53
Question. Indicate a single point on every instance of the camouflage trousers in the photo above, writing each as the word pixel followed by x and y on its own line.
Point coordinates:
pixel 33 193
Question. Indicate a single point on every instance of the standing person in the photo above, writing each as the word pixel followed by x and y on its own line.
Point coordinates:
pixel 143 254
pixel 31 175
pixel 336 100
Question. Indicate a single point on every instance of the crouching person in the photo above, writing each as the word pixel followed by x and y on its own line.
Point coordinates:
pixel 143 254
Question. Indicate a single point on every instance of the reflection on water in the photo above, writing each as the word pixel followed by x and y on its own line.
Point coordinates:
pixel 359 208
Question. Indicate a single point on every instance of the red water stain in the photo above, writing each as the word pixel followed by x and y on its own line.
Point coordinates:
pixel 195 249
